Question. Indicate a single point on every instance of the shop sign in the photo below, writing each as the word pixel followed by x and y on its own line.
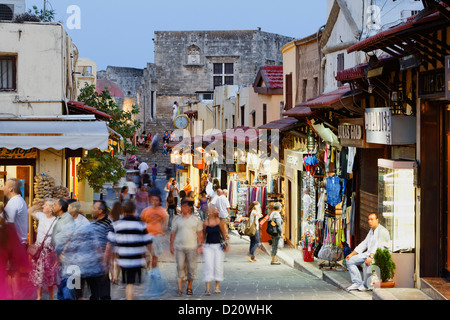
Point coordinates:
pixel 18 153
pixel 432 83
pixel 293 159
pixel 351 132
pixel 447 77
pixel 383 128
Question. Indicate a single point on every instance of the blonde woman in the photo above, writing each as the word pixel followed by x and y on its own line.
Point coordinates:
pixel 43 273
pixel 213 253
pixel 255 215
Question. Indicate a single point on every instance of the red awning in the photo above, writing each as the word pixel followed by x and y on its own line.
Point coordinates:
pixel 299 111
pixel 280 124
pixel 360 70
pixel 327 99
pixel 371 43
pixel 77 107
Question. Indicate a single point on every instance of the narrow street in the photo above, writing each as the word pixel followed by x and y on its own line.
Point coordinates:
pixel 245 280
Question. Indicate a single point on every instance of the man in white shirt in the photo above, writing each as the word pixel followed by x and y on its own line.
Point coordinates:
pixel 142 168
pixel 16 210
pixel 221 202
pixel 74 209
pixel 378 237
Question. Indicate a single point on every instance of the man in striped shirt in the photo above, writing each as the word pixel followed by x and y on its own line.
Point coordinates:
pixel 102 227
pixel 131 241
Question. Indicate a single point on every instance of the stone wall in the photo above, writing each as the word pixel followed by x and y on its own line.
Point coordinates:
pixel 184 60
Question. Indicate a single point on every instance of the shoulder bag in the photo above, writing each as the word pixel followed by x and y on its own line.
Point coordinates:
pixel 250 228
pixel 34 250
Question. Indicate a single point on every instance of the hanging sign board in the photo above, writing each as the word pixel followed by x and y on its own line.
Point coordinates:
pixel 352 133
pixel 384 128
pixel 18 153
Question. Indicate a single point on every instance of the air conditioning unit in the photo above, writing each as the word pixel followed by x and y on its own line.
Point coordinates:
pixel 11 8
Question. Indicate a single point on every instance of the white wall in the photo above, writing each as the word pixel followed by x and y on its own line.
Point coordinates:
pixel 42 75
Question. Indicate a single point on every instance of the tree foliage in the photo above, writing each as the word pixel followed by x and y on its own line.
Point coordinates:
pixel 43 15
pixel 100 167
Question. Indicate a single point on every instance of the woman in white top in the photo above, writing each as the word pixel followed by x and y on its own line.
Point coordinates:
pixel 44 269
pixel 255 215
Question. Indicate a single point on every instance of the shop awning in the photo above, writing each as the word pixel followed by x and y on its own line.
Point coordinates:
pixel 54 134
pixel 282 124
pixel 342 97
pixel 417 36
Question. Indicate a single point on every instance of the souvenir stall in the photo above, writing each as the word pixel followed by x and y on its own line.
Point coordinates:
pixel 334 207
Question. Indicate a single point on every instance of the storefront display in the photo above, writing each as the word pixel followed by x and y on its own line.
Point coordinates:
pixel 397 202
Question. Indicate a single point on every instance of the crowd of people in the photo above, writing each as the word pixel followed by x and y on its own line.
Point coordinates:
pixel 72 253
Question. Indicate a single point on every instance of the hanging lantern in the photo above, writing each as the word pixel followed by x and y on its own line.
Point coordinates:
pixel 311 140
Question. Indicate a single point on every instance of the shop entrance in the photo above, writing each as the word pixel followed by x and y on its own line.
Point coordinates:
pixel 24 173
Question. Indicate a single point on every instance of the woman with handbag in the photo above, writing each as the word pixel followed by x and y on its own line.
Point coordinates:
pixel 44 267
pixel 252 229
pixel 276 221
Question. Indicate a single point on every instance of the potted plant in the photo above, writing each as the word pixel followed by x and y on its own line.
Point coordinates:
pixel 383 260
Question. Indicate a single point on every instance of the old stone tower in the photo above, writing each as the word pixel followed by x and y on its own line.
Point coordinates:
pixel 190 64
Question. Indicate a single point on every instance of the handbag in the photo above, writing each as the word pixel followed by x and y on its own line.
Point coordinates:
pixel 272 229
pixel 34 250
pixel 250 228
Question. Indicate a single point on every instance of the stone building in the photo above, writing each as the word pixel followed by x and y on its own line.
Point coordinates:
pixel 191 64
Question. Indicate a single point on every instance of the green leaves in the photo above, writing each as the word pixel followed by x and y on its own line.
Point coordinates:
pixel 383 260
pixel 100 167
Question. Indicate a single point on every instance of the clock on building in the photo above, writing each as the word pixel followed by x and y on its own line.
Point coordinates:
pixel 181 122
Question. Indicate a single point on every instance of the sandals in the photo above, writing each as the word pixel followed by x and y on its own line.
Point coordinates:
pixel 179 293
pixel 189 292
pixel 207 293
pixel 217 290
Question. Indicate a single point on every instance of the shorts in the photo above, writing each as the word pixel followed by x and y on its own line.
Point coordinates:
pixel 157 246
pixel 189 257
pixel 129 275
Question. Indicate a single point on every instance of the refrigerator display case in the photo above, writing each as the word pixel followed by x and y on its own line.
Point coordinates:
pixel 396 212
pixel 396 202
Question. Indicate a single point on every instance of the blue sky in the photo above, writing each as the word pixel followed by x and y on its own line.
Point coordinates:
pixel 119 33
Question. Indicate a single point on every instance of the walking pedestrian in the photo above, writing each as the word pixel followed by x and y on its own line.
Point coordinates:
pixel 116 212
pixel 62 231
pixel 171 208
pixel 275 216
pixel 155 217
pixel 154 173
pixel 174 189
pixel 44 271
pixel 222 203
pixel 186 241
pixel 74 209
pixel 102 226
pixel 130 241
pixel 132 187
pixel 142 200
pixel 203 205
pixel 15 214
pixel 255 215
pixel 214 232
pixel 124 195
pixel 145 179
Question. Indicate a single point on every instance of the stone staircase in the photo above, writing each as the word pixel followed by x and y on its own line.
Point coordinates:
pixel 162 160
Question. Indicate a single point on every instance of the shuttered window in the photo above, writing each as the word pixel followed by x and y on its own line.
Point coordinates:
pixel 7 73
